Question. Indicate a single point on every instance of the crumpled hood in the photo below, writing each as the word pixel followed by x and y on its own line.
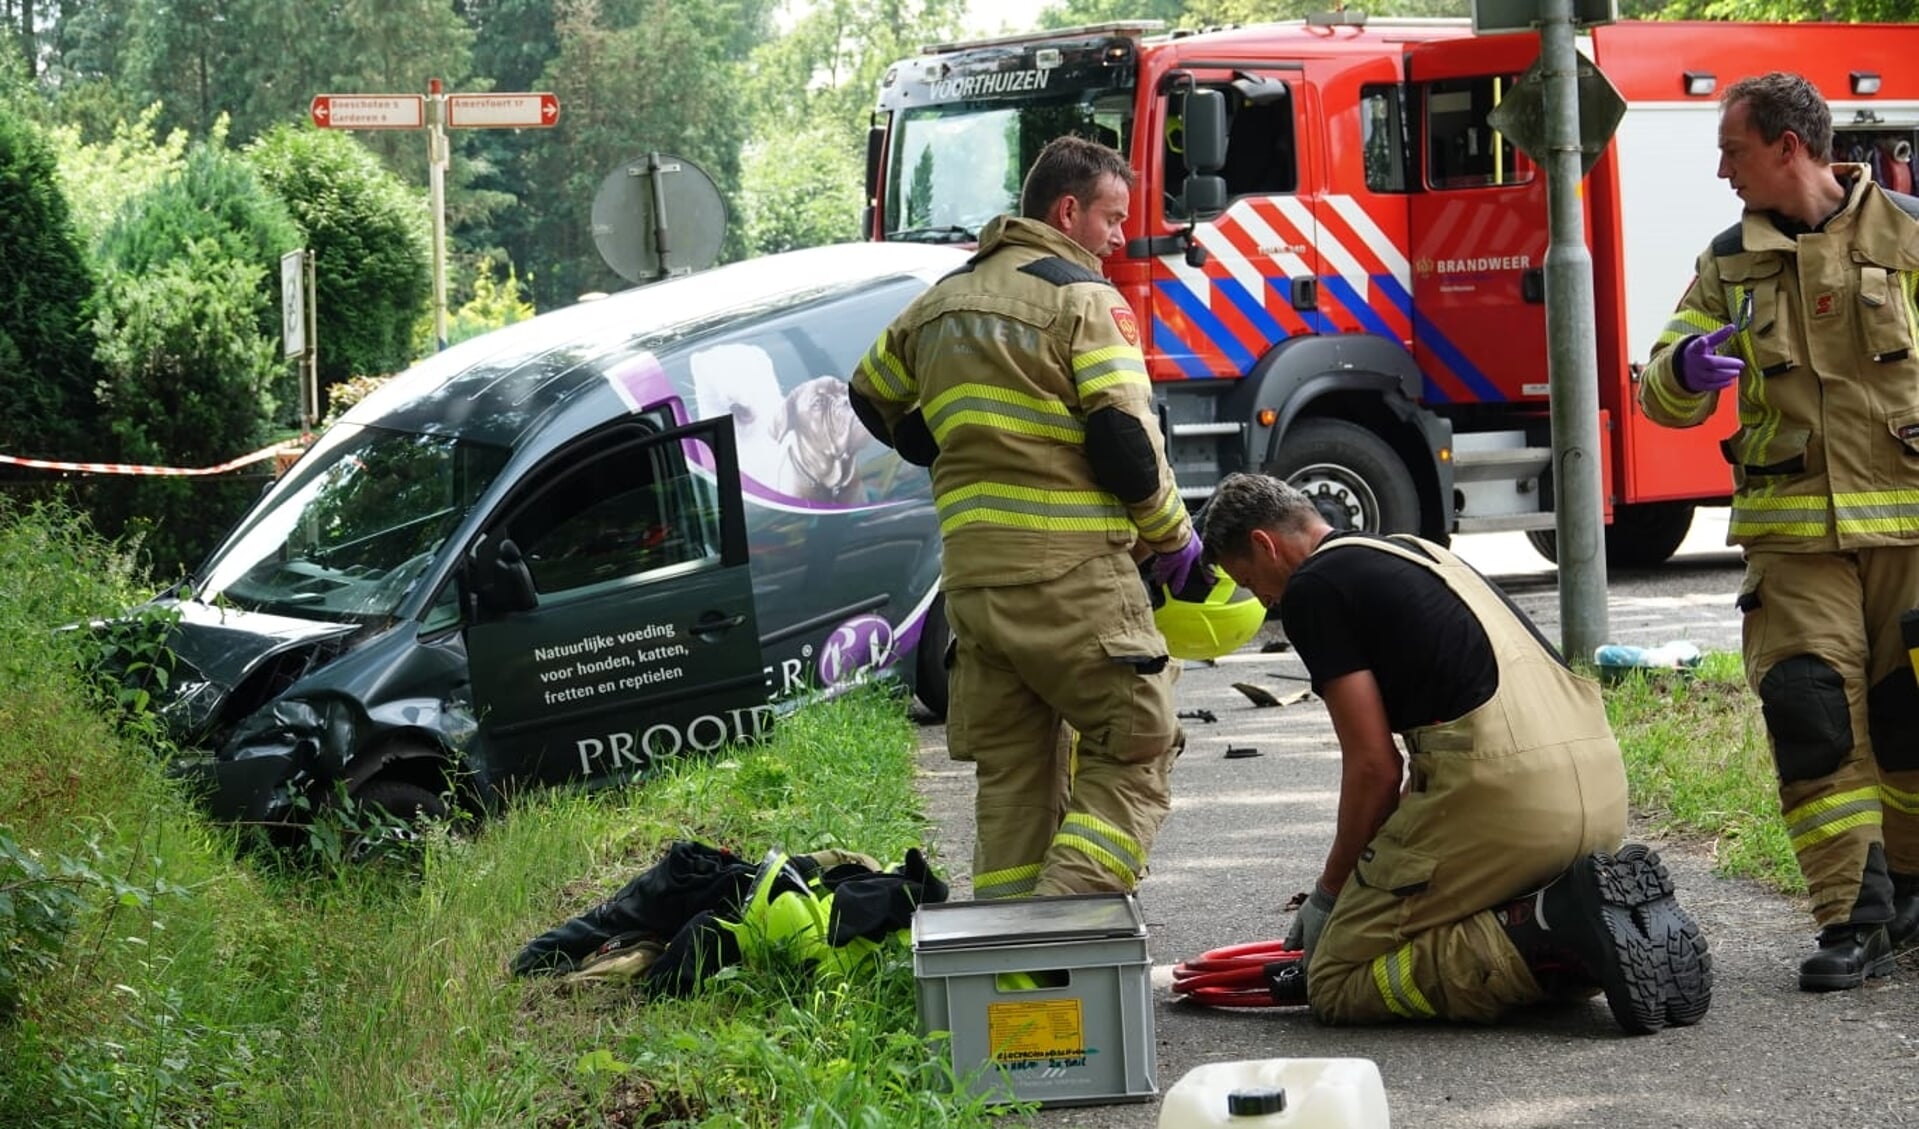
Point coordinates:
pixel 219 647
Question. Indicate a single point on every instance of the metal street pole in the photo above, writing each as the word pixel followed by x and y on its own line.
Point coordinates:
pixel 1572 351
pixel 311 392
pixel 437 157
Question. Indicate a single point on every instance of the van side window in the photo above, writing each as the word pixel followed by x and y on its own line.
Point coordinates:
pixel 1462 151
pixel 621 516
pixel 1382 137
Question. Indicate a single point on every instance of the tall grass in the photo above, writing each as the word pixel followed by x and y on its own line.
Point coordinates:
pixel 1698 765
pixel 199 984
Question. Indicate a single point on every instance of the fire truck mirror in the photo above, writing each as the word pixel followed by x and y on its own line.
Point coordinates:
pixel 1204 196
pixel 1204 124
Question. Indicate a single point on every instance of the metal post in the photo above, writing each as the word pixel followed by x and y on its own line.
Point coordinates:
pixel 1572 351
pixel 437 157
pixel 657 170
pixel 310 392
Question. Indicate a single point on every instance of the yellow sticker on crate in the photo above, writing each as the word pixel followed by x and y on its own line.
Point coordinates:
pixel 1036 1030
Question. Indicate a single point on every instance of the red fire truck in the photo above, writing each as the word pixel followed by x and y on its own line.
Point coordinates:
pixel 1343 285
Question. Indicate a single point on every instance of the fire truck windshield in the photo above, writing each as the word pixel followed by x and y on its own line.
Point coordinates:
pixel 955 166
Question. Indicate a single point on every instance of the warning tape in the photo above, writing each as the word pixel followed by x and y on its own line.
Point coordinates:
pixel 260 455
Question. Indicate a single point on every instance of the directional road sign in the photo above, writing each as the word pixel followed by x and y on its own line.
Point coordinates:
pixel 368 111
pixel 502 111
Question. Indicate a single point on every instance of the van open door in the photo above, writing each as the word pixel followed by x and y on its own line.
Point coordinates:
pixel 610 609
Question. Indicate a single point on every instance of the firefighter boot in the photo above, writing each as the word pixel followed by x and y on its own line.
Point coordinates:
pixel 1615 918
pixel 1848 954
pixel 1903 929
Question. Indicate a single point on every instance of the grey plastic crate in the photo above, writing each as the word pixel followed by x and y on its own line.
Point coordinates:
pixel 1087 1041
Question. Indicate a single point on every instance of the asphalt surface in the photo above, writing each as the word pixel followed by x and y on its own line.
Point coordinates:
pixel 1246 834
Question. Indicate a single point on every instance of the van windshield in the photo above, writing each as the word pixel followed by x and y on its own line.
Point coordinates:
pixel 354 526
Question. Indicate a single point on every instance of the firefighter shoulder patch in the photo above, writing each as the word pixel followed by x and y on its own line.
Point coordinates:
pixel 1127 323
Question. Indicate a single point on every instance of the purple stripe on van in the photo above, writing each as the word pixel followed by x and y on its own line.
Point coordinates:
pixel 641 383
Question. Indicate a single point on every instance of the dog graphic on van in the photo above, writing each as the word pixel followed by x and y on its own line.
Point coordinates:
pixel 803 444
pixel 823 440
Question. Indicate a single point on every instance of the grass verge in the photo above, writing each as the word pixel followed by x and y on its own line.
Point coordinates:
pixel 151 974
pixel 1698 766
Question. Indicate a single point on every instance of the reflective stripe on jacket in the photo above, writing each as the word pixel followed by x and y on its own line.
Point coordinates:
pixel 1006 358
pixel 1827 451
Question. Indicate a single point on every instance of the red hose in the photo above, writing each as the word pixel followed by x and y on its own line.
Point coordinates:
pixel 1239 976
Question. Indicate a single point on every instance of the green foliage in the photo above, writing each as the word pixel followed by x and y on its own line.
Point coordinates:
pixel 369 233
pixel 100 178
pixel 275 994
pixel 212 195
pixel 129 662
pixel 632 76
pixel 492 302
pixel 47 373
pixel 39 901
pixel 802 191
pixel 1697 760
pixel 812 93
pixel 348 393
pixel 188 324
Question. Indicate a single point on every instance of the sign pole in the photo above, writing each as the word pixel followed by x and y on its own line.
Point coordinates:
pixel 437 160
pixel 311 391
pixel 436 113
pixel 1572 351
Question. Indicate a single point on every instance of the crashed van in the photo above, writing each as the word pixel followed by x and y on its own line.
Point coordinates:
pixel 565 550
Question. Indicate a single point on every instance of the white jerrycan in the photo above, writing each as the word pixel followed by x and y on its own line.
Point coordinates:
pixel 1278 1093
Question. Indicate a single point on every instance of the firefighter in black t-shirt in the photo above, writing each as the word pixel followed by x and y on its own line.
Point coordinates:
pixel 1482 867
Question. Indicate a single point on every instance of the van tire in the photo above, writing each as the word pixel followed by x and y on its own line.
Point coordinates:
pixel 1353 476
pixel 404 802
pixel 929 661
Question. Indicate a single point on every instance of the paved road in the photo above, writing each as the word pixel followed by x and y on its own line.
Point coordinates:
pixel 1246 834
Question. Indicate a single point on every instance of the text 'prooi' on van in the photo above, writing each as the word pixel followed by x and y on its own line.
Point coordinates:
pixel 564 550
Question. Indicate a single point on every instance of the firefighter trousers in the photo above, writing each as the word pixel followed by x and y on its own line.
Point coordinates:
pixel 1825 656
pixel 1498 803
pixel 1080 649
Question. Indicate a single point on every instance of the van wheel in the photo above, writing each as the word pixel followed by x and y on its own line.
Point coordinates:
pixel 1641 536
pixel 1352 476
pixel 389 814
pixel 929 660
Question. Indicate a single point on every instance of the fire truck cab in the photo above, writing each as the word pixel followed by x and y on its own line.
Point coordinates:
pixel 1338 264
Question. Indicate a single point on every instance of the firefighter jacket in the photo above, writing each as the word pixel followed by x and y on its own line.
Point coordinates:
pixel 1827 452
pixel 1007 358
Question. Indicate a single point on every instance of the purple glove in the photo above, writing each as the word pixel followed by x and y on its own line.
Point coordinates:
pixel 1702 369
pixel 1174 568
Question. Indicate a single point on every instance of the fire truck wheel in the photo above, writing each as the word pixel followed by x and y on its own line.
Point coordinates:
pixel 1640 536
pixel 1355 479
pixel 929 660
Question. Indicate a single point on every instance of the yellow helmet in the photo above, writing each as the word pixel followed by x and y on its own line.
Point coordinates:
pixel 1207 624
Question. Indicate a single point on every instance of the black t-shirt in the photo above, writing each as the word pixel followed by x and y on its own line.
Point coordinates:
pixel 1352 608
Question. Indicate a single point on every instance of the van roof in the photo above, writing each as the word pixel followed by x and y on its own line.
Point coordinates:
pixel 497 387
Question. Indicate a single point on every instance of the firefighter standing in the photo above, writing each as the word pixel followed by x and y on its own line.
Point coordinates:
pixel 1805 310
pixel 1496 876
pixel 1022 373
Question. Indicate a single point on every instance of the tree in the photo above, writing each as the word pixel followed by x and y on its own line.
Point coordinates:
pixel 100 178
pixel 804 181
pixel 189 326
pixel 801 191
pixel 188 381
pixel 369 234
pixel 46 363
pixel 634 76
pixel 919 190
